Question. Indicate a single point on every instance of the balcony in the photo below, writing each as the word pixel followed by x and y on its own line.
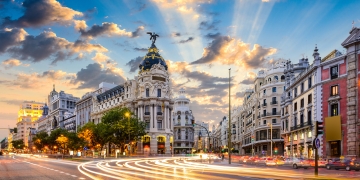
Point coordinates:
pixel 301 125
pixel 271 114
pixel 274 102
pixel 264 105
pixel 248 115
pixel 248 123
pixel 147 113
pixel 159 113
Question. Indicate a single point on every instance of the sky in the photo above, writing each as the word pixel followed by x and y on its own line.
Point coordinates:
pixel 78 44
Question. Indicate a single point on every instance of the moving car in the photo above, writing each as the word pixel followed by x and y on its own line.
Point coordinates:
pixel 347 164
pixel 321 163
pixel 300 163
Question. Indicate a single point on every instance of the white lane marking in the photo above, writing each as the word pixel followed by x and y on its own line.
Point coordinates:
pixel 73 176
pixel 81 178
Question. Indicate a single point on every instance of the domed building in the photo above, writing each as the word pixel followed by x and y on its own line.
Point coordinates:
pixel 149 96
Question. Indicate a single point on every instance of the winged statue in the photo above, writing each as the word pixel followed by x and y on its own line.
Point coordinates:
pixel 153 36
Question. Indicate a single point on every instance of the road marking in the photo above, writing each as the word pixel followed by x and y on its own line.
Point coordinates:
pixel 81 178
pixel 73 176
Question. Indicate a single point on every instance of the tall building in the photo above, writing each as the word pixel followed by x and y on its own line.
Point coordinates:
pixel 60 103
pixel 84 106
pixel 334 104
pixel 201 135
pixel 149 96
pixel 183 129
pixel 301 106
pixel 43 124
pixel 28 114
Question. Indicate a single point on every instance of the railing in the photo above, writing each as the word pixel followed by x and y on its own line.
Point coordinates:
pixel 264 104
pixel 159 113
pixel 271 114
pixel 273 102
pixel 248 115
pixel 248 123
pixel 147 113
pixel 258 106
pixel 301 125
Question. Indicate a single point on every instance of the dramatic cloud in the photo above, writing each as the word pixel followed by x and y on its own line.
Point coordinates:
pixel 175 34
pixel 141 49
pixel 11 37
pixel 47 44
pixel 9 63
pixel 187 40
pixel 212 36
pixel 250 79
pixel 228 51
pixel 94 74
pixel 205 25
pixel 106 29
pixel 36 80
pixel 182 6
pixel 100 58
pixel 134 64
pixel 42 12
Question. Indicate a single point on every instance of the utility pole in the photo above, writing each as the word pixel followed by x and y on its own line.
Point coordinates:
pixel 229 132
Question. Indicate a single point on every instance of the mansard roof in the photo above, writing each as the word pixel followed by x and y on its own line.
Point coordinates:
pixel 110 93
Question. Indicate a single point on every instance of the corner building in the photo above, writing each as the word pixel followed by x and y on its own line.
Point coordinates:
pixel 149 96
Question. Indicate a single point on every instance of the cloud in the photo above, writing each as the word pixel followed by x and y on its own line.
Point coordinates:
pixel 212 35
pixel 134 63
pixel 9 63
pixel 47 45
pixel 187 40
pixel 106 29
pixel 175 34
pixel 15 102
pixel 250 79
pixel 140 6
pixel 91 76
pixel 141 49
pixel 100 58
pixel 228 51
pixel 206 25
pixel 42 12
pixel 182 6
pixel 11 37
pixel 36 80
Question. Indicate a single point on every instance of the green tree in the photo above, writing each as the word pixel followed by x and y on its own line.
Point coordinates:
pixel 40 140
pixel 95 136
pixel 18 144
pixel 124 127
pixel 75 142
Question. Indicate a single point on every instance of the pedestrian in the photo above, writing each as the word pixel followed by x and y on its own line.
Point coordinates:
pixel 222 157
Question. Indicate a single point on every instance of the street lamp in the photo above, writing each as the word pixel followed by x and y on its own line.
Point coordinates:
pixel 270 124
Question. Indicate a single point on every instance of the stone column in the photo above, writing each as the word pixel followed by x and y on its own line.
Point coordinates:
pixel 153 144
pixel 142 113
pixel 164 118
pixel 167 145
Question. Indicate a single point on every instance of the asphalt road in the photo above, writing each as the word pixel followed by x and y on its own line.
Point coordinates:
pixel 24 167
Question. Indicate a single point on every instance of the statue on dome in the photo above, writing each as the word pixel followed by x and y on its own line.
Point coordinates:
pixel 153 36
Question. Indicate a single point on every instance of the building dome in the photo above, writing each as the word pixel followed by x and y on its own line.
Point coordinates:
pixel 151 58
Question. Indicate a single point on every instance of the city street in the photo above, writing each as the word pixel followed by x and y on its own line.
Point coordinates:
pixel 26 167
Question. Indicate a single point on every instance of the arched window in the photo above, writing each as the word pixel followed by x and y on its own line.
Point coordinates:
pixel 147 92
pixel 282 78
pixel 276 78
pixel 269 79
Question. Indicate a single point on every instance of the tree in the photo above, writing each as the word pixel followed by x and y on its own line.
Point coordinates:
pixel 18 144
pixel 95 136
pixel 40 140
pixel 124 127
pixel 75 143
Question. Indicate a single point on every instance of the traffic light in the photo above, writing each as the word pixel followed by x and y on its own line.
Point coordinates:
pixel 193 122
pixel 276 150
pixel 319 128
pixel 252 138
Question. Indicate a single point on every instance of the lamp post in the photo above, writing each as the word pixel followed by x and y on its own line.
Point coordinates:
pixel 270 124
pixel 229 131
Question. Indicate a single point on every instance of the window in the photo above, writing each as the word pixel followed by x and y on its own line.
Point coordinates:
pixel 274 100
pixel 334 73
pixel 302 87
pixel 301 119
pixel 309 134
pixel 147 111
pixel 159 124
pixel 264 122
pixel 273 111
pixel 282 78
pixel 147 92
pixel 295 137
pixel 309 83
pixel 334 90
pixel 159 93
pixel 309 99
pixel 264 112
pixel 334 110
pixel 295 106
pixel 295 92
pixel 274 121
pixel 309 116
pixel 147 124
pixel 276 78
pixel 264 102
pixel 274 89
pixel 264 91
pixel 302 103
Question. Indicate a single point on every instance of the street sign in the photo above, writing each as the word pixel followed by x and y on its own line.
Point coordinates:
pixel 263 152
pixel 85 148
pixel 129 147
pixel 316 143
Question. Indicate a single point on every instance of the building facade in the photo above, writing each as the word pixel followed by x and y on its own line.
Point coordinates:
pixel 301 106
pixel 149 96
pixel 183 129
pixel 28 114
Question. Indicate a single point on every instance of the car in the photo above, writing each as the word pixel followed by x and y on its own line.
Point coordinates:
pixel 300 163
pixel 347 164
pixel 321 163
